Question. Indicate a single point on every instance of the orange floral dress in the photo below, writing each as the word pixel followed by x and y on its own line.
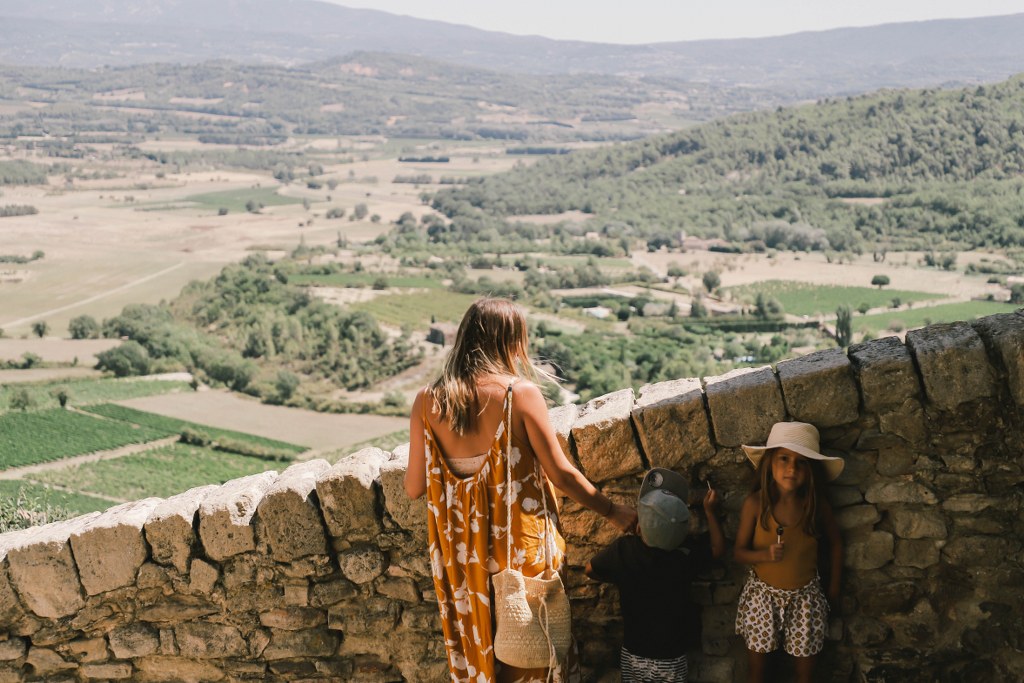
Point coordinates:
pixel 467 523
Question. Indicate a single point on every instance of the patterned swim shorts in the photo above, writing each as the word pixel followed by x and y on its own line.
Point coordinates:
pixel 645 670
pixel 796 619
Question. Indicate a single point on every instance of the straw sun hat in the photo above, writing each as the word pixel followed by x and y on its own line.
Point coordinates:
pixel 798 437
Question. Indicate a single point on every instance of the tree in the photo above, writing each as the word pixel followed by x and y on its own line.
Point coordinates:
pixel 1017 294
pixel 697 308
pixel 286 384
pixel 130 358
pixel 863 308
pixel 84 327
pixel 844 325
pixel 40 328
pixel 711 280
pixel 62 395
pixel 676 270
pixel 360 211
pixel 880 280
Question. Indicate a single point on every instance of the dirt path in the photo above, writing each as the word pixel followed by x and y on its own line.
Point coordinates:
pixel 20 472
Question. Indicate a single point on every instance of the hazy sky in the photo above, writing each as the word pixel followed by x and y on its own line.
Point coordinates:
pixel 649 21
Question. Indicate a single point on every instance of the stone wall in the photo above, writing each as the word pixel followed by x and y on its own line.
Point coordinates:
pixel 320 572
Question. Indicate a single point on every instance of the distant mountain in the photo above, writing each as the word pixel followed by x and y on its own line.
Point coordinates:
pixel 814 64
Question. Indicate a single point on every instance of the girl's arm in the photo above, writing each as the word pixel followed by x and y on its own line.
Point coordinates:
pixel 416 471
pixel 743 551
pixel 835 545
pixel 714 527
pixel 530 404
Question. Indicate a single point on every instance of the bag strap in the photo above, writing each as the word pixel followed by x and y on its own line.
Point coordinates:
pixel 542 483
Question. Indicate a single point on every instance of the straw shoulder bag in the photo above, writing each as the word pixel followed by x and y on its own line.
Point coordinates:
pixel 534 626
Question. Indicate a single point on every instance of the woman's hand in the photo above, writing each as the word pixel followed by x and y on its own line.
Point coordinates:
pixel 711 502
pixel 623 517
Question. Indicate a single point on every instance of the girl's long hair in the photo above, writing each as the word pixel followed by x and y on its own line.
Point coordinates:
pixel 769 493
pixel 492 339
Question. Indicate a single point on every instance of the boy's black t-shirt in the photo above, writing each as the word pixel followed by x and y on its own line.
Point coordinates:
pixel 659 620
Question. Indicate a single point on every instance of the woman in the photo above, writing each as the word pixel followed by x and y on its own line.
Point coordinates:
pixel 457 457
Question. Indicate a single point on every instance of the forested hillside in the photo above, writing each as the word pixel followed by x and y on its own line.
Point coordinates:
pixel 897 169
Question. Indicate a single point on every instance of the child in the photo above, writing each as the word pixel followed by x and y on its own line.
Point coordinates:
pixel 653 572
pixel 781 523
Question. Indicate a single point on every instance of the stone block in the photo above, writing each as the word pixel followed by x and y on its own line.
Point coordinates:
pixel 869 550
pixel 398 588
pixel 290 514
pixel 133 640
pixel 294 618
pixel 348 496
pixel 46 662
pixel 867 632
pixel 911 523
pixel 177 670
pixel 225 515
pixel 921 554
pixel 362 564
pixel 886 373
pixel 855 516
pixel 88 649
pixel 296 593
pixel 202 576
pixel 43 571
pixel 410 515
pixel 205 640
pixel 978 551
pixel 12 649
pixel 1003 334
pixel 11 610
pixel 744 404
pixel 603 434
pixel 562 420
pixel 819 388
pixel 953 362
pixel 904 491
pixel 318 642
pixel 332 592
pixel 112 671
pixel 170 528
pixel 110 549
pixel 673 424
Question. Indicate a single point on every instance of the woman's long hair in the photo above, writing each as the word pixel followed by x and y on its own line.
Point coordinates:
pixel 492 339
pixel 769 493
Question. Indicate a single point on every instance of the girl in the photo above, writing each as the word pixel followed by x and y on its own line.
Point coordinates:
pixel 457 441
pixel 781 523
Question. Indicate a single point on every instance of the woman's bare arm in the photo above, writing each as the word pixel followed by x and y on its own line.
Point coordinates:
pixel 563 474
pixel 416 472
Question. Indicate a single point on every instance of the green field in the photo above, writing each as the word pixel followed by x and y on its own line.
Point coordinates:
pixel 162 472
pixel 802 298
pixel 926 315
pixel 385 442
pixel 169 426
pixel 573 261
pixel 418 308
pixel 84 392
pixel 364 279
pixel 28 438
pixel 64 504
pixel 233 200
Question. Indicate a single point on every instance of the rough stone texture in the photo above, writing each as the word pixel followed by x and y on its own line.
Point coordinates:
pixel 1004 336
pixel 290 514
pixel 169 529
pixel 744 404
pixel 410 515
pixel 110 549
pixel 603 434
pixel 43 571
pixel 348 496
pixel 954 365
pixel 929 507
pixel 562 419
pixel 224 515
pixel 819 388
pixel 673 424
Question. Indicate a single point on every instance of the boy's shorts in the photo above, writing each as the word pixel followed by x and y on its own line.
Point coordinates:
pixel 796 619
pixel 636 669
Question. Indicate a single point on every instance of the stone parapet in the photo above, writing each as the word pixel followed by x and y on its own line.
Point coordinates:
pixel 321 572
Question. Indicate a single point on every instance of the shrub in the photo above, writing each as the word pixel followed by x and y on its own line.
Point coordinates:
pixel 130 358
pixel 84 327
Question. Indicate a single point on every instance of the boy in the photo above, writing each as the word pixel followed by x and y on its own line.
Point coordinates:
pixel 653 572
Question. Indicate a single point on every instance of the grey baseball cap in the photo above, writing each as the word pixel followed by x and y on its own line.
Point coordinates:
pixel 664 517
